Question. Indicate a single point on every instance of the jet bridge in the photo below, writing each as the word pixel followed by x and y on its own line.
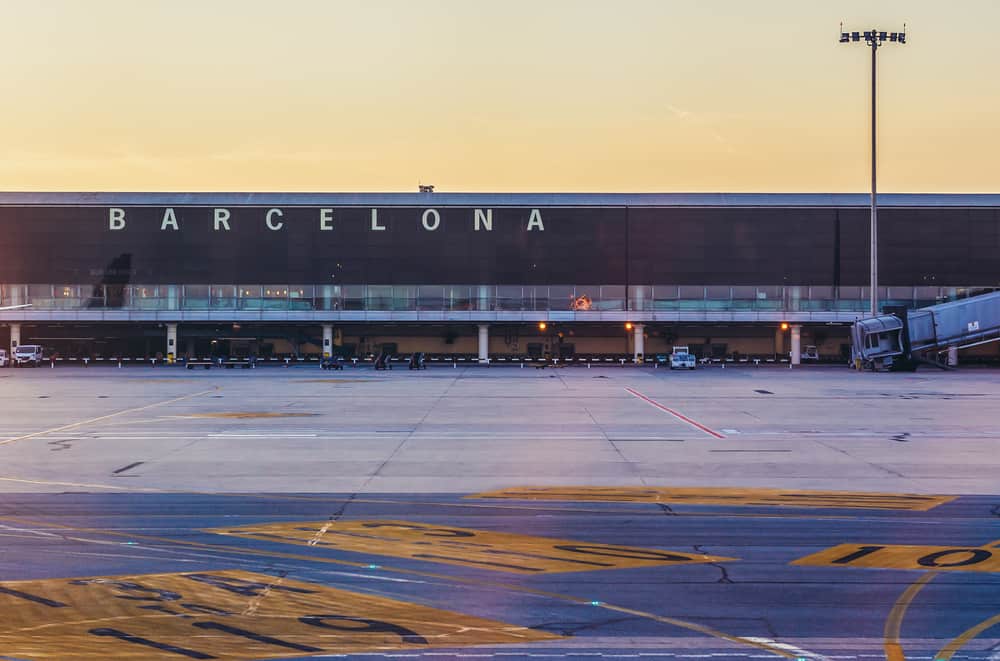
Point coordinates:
pixel 906 337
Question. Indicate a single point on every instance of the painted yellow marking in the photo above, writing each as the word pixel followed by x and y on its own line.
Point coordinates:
pixel 894 623
pixel 898 556
pixel 521 554
pixel 960 641
pixel 224 615
pixel 246 414
pixel 104 417
pixel 725 496
pixel 690 626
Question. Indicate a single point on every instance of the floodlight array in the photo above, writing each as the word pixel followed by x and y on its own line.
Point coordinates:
pixel 873 37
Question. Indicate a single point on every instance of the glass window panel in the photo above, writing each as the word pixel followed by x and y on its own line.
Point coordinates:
pixel 354 297
pixel 820 293
pixel 717 293
pixel 510 297
pixel 665 292
pixel 561 297
pixel 378 297
pixel 769 293
pixel 585 298
pixel 538 296
pixel 404 297
pixel 329 297
pixel 457 297
pixel 691 292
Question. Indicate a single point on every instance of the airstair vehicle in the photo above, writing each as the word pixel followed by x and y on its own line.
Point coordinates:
pixel 905 338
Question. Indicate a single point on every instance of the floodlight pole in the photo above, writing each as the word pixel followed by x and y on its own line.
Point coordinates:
pixel 873 40
pixel 874 223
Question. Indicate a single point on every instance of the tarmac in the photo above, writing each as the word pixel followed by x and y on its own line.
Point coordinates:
pixel 279 513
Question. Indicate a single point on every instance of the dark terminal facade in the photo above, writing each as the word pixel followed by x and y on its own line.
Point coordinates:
pixel 477 276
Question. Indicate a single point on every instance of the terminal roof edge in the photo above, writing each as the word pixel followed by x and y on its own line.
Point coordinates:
pixel 500 199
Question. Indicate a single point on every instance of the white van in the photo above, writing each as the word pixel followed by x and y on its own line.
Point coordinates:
pixel 681 359
pixel 29 354
pixel 4 361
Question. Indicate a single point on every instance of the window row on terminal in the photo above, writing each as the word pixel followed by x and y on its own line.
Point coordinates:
pixel 445 298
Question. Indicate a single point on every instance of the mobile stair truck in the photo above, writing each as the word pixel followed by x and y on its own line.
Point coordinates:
pixel 904 338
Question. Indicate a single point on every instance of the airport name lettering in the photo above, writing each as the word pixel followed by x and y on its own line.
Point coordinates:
pixel 429 220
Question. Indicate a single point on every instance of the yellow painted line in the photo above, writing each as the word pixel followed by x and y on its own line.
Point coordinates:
pixel 104 417
pixel 960 641
pixel 725 496
pixel 482 549
pixel 690 626
pixel 894 623
pixel 228 614
pixel 900 556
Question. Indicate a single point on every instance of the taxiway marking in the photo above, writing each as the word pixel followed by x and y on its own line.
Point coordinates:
pixel 680 416
pixel 103 417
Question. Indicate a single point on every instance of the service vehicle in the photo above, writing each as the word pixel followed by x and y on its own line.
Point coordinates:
pixel 4 361
pixel 29 354
pixel 810 353
pixel 681 358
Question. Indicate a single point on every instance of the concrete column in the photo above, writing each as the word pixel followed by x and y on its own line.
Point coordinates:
pixel 17 295
pixel 796 344
pixel 484 342
pixel 952 355
pixel 15 338
pixel 639 344
pixel 171 351
pixel 327 340
pixel 779 341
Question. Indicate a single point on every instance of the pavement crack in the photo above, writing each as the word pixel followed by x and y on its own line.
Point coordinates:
pixel 573 628
pixel 631 464
pixel 254 604
pixel 864 461
pixel 413 431
pixel 724 578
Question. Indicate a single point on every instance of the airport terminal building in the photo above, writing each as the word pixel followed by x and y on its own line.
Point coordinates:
pixel 474 275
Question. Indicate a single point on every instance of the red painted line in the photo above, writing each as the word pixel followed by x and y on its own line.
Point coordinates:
pixel 679 416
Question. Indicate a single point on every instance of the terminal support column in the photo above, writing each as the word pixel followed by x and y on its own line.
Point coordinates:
pixel 171 351
pixel 15 338
pixel 327 340
pixel 796 353
pixel 484 342
pixel 639 345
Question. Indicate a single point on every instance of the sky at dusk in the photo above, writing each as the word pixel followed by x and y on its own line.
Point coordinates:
pixel 469 95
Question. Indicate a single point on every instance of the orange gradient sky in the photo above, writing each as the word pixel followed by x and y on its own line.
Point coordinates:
pixel 470 95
